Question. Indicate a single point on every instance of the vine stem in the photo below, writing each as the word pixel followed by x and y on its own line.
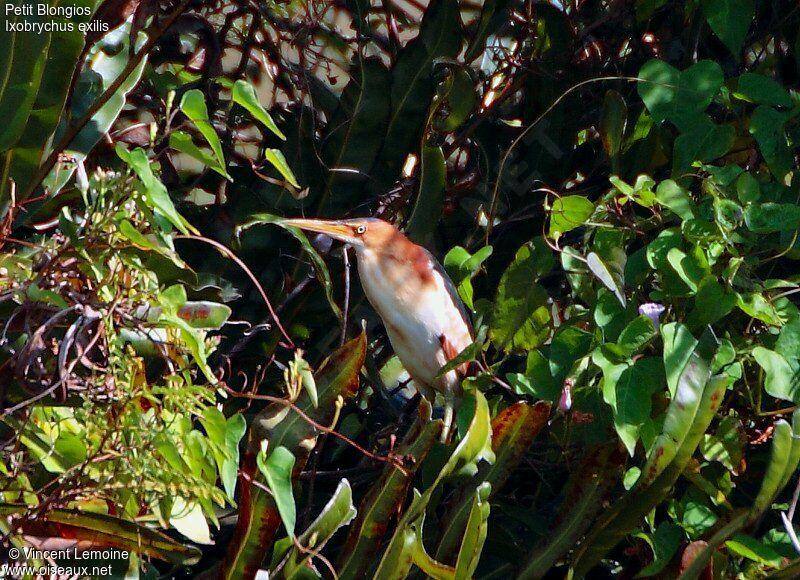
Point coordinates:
pixel 528 129
pixel 225 251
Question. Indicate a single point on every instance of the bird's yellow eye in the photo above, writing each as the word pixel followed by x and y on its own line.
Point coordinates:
pixel 361 229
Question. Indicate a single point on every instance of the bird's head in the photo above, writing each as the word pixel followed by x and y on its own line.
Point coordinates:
pixel 361 233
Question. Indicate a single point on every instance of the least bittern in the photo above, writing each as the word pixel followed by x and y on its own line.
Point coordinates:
pixel 425 319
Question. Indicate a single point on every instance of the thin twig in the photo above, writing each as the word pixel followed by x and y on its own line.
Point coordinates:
pixel 225 251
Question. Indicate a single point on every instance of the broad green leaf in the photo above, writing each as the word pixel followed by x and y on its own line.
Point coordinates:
pixel 492 13
pixel 569 212
pixel 664 542
pixel 462 267
pixel 730 20
pixel 189 520
pixel 750 548
pixel 726 445
pixel 355 132
pixel 475 533
pixel 702 140
pixel 521 318
pixel 589 484
pixel 764 218
pixel 244 95
pixel 762 90
pixel 277 471
pixel 673 196
pixel 412 84
pixel 781 376
pixel 430 198
pixel 767 128
pixel 678 96
pixel 259 518
pixel 711 303
pixel 456 97
pixel 513 431
pixel 639 332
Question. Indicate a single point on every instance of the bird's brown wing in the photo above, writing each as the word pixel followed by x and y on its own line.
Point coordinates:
pixel 467 369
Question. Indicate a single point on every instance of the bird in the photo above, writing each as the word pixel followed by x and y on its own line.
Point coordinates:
pixel 425 320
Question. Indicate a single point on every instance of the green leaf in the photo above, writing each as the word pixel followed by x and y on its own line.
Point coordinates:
pixel 730 20
pixel 569 212
pixel 748 188
pixel 462 267
pixel 750 548
pixel 664 542
pixel 383 501
pixel 244 95
pixel 20 80
pixel 277 471
pixel 678 96
pixel 627 389
pixel 338 512
pixel 765 218
pixel 521 318
pixel 610 279
pixel 475 533
pixel 182 142
pixel 513 431
pixel 781 375
pixel 701 141
pixel 336 379
pixel 712 303
pixel 673 196
pixel 492 12
pixel 355 131
pixel 456 97
pixel 193 105
pixel 156 194
pixel 762 90
pixel 430 199
pixel 686 365
pixel 767 128
pixel 585 494
pixel 726 445
pixel 636 335
pixel 278 161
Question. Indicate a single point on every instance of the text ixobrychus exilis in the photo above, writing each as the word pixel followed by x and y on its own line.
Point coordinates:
pixel 425 319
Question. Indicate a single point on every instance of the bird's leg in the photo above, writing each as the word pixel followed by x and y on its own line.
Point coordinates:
pixel 448 418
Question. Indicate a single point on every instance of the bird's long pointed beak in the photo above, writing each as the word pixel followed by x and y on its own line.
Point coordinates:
pixel 333 229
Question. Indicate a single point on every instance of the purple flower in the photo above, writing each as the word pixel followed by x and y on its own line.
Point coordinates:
pixel 653 311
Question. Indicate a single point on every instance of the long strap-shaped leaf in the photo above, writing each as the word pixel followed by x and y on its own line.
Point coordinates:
pixel 337 379
pixel 100 530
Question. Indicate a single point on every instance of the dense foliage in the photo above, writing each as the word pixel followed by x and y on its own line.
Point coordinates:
pixel 611 186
